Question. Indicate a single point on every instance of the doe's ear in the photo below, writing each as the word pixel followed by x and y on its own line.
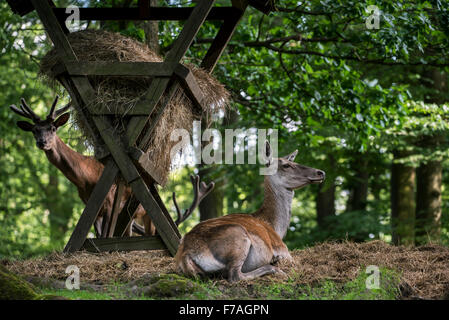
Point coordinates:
pixel 25 126
pixel 291 156
pixel 62 120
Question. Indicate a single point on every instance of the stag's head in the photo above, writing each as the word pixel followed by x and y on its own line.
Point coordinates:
pixel 291 175
pixel 44 131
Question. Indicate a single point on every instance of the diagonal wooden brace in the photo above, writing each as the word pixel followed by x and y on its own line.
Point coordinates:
pixel 93 207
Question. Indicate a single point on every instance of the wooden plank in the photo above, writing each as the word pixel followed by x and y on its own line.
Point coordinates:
pixel 20 7
pixel 155 193
pixel 105 68
pixel 116 208
pixel 190 85
pixel 154 94
pixel 223 37
pixel 144 8
pixel 135 14
pixel 124 244
pixel 113 142
pixel 143 160
pixel 189 31
pixel 54 29
pixel 93 206
pixel 164 103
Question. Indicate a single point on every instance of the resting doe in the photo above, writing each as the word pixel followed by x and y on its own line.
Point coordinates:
pixel 245 246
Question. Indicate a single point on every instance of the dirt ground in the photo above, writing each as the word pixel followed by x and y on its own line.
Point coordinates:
pixel 424 271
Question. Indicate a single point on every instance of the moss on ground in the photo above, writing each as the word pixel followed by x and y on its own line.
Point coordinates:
pixel 173 286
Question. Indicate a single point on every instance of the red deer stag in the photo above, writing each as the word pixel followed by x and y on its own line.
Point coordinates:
pixel 245 246
pixel 84 172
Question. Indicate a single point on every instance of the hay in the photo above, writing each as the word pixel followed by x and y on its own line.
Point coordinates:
pixel 120 94
pixel 424 270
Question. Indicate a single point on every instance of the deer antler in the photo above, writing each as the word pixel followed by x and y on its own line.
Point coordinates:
pixel 25 111
pixel 60 111
pixel 51 115
pixel 200 191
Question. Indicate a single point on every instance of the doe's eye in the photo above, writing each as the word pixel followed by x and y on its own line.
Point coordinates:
pixel 285 165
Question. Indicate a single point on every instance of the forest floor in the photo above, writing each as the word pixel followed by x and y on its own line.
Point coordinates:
pixel 325 271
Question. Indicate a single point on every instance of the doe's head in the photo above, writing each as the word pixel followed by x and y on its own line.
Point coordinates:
pixel 44 131
pixel 291 175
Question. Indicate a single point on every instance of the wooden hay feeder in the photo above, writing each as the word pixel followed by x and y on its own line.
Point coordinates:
pixel 125 153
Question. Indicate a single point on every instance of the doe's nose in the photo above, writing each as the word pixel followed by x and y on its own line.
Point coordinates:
pixel 321 173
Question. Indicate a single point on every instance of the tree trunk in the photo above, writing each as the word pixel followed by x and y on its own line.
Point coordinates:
pixel 325 204
pixel 429 174
pixel 151 29
pixel 402 202
pixel 428 202
pixel 358 183
pixel 212 205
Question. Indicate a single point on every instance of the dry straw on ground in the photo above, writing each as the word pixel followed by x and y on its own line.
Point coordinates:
pixel 120 94
pixel 424 271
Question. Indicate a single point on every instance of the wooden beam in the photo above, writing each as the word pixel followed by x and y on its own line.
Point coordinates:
pixel 124 244
pixel 103 68
pixel 54 29
pixel 189 31
pixel 190 85
pixel 113 142
pixel 93 207
pixel 145 138
pixel 143 160
pixel 116 208
pixel 154 13
pixel 163 226
pixel 155 193
pixel 223 37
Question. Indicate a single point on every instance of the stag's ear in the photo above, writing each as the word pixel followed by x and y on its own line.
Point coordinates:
pixel 25 126
pixel 291 156
pixel 62 120
pixel 268 153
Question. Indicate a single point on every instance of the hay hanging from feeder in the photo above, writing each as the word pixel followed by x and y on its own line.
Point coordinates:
pixel 120 94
